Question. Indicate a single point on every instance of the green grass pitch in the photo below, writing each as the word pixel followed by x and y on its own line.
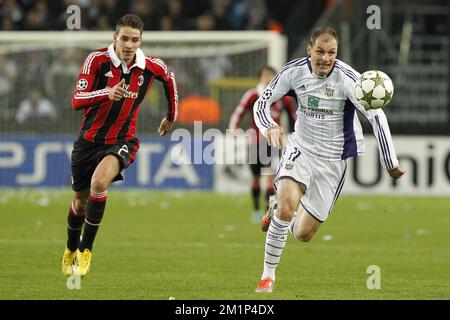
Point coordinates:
pixel 196 245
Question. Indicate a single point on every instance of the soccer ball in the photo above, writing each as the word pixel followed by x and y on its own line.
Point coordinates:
pixel 374 89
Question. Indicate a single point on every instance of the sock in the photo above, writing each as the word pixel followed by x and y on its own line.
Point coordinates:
pixel 256 191
pixel 291 225
pixel 75 222
pixel 270 191
pixel 275 242
pixel 94 214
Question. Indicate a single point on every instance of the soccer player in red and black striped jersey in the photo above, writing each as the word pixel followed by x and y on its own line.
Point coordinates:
pixel 249 98
pixel 112 84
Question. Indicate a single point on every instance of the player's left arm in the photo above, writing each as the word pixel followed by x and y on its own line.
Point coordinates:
pixel 380 126
pixel 166 75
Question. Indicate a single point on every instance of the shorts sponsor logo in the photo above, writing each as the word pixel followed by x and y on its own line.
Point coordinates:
pixel 289 166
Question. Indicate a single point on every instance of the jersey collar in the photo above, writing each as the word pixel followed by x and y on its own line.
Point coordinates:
pixel 140 59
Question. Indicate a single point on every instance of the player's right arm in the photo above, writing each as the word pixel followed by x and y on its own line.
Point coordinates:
pixel 84 95
pixel 277 88
pixel 381 131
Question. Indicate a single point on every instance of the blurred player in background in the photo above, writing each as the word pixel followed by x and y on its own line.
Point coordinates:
pixel 111 86
pixel 246 106
pixel 312 170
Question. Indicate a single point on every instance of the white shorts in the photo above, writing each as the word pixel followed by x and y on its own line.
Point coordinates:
pixel 322 178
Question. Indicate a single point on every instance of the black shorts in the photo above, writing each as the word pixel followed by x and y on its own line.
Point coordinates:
pixel 87 155
pixel 256 166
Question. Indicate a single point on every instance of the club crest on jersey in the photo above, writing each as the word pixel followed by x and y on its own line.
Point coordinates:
pixel 329 92
pixel 82 84
pixel 267 94
pixel 140 80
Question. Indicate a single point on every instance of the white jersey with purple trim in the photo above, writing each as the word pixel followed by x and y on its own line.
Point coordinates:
pixel 327 125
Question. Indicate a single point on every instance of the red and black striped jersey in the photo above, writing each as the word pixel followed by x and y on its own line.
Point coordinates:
pixel 106 121
pixel 246 105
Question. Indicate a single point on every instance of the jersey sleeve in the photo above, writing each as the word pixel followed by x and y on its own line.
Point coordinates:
pixel 84 96
pixel 165 74
pixel 244 105
pixel 380 126
pixel 277 88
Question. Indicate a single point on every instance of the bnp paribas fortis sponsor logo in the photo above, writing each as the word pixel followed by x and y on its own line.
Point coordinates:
pixel 313 102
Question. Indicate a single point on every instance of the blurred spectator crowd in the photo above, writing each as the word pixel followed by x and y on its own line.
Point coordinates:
pixel 46 79
pixel 157 14
pixel 37 91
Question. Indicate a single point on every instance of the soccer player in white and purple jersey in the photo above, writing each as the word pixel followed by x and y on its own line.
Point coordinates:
pixel 327 132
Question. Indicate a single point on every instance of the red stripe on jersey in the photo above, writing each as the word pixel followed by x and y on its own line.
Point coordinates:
pixel 111 136
pixel 99 120
pixel 102 113
pixel 133 122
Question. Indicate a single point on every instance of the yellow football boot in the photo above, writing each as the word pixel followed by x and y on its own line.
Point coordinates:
pixel 68 262
pixel 84 262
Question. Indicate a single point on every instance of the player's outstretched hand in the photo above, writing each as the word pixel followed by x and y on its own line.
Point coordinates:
pixel 396 172
pixel 116 93
pixel 275 136
pixel 165 127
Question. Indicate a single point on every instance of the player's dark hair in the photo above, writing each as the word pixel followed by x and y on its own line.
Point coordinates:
pixel 323 30
pixel 130 20
pixel 266 68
